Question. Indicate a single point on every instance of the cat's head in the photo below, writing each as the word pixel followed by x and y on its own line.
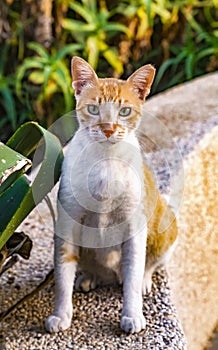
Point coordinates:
pixel 110 109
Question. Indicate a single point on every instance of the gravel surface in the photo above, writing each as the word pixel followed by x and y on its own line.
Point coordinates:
pixel 96 318
pixel 96 322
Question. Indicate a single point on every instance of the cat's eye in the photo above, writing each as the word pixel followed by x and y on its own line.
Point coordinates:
pixel 125 111
pixel 93 109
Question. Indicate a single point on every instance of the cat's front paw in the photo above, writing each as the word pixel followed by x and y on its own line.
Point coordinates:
pixel 55 323
pixel 132 324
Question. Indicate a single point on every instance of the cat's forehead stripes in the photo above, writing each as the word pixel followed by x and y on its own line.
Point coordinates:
pixel 110 90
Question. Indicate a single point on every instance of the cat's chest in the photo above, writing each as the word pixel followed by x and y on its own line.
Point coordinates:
pixel 110 179
pixel 103 177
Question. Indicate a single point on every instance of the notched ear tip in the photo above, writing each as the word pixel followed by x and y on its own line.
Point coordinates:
pixel 150 66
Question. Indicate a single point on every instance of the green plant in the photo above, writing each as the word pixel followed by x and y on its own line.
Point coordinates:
pixel 17 195
pixel 7 99
pixel 17 38
pixel 47 70
pixel 187 61
pixel 9 103
pixel 141 15
pixel 94 31
pixel 179 37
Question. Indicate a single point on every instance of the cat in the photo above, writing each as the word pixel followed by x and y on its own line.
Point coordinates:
pixel 112 223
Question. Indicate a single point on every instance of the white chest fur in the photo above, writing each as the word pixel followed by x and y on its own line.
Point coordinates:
pixel 106 182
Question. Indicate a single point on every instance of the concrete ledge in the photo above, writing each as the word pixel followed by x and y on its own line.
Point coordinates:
pixel 193 269
pixel 193 274
pixel 190 113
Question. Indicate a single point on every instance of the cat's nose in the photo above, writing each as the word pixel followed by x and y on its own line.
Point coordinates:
pixel 108 129
pixel 108 133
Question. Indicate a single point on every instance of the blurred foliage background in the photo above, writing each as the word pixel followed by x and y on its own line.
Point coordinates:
pixel 39 37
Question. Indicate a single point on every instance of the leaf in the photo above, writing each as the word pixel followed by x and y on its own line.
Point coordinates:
pixel 143 27
pixel 4 56
pixel 113 59
pixel 92 5
pixel 28 64
pixel 12 165
pixel 162 70
pixel 93 51
pixel 10 200
pixel 82 11
pixel 189 63
pixel 25 140
pixel 60 80
pixel 78 26
pixel 164 14
pixel 177 78
pixel 9 105
pixel 148 4
pixel 3 121
pixel 62 66
pixel 65 127
pixel 47 74
pixel 36 77
pixel 51 89
pixel 117 27
pixel 68 49
pixel 39 49
pixel 206 52
pixel 19 243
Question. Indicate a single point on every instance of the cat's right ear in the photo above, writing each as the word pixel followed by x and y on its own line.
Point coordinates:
pixel 83 75
pixel 141 80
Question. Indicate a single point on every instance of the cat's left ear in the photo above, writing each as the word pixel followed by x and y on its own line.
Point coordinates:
pixel 141 80
pixel 83 75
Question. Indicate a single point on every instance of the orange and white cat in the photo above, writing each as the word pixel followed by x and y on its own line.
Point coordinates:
pixel 112 223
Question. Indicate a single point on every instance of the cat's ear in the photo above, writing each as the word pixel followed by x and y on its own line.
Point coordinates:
pixel 141 80
pixel 83 75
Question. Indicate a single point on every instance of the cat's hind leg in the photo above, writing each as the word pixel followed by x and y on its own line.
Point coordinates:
pixel 151 266
pixel 85 282
pixel 87 278
pixel 147 279
pixel 97 269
